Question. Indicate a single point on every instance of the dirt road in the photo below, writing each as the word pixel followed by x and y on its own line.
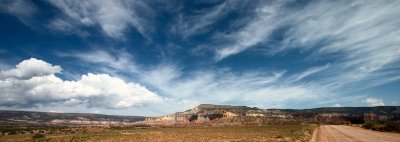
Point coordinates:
pixel 340 133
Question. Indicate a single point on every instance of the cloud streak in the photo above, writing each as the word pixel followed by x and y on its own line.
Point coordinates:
pixel 362 35
pixel 189 25
pixel 21 9
pixel 268 89
pixel 113 17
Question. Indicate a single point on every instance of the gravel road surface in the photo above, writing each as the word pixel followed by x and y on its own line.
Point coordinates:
pixel 340 133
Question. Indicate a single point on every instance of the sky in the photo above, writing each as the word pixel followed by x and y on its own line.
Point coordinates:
pixel 156 57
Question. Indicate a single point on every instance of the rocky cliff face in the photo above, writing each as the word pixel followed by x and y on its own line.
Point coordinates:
pixel 208 113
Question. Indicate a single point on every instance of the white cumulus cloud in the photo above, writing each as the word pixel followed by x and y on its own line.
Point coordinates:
pixel 337 105
pixel 33 84
pixel 373 101
pixel 30 68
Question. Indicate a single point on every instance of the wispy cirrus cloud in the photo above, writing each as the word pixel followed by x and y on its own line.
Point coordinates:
pixel 113 17
pixel 308 72
pixel 362 35
pixel 113 62
pixel 255 32
pixel 199 21
pixel 312 23
pixel 21 9
pixel 224 86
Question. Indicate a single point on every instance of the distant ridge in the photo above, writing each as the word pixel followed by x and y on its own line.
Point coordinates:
pixel 13 117
pixel 209 113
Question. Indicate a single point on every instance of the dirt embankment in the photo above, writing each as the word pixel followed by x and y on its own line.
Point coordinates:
pixel 340 133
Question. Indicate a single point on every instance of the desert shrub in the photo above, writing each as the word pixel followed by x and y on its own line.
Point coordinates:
pixel 356 120
pixel 369 125
pixel 392 126
pixel 386 126
pixel 38 136
pixel 13 132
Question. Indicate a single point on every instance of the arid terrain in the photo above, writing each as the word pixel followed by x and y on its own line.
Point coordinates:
pixel 290 133
pixel 180 134
pixel 208 122
pixel 341 133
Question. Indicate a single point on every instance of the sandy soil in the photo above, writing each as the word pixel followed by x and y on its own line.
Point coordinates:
pixel 340 133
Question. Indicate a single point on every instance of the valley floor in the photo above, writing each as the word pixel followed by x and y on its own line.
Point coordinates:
pixel 301 133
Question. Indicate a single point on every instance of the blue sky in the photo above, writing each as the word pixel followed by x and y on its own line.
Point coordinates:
pixel 158 57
